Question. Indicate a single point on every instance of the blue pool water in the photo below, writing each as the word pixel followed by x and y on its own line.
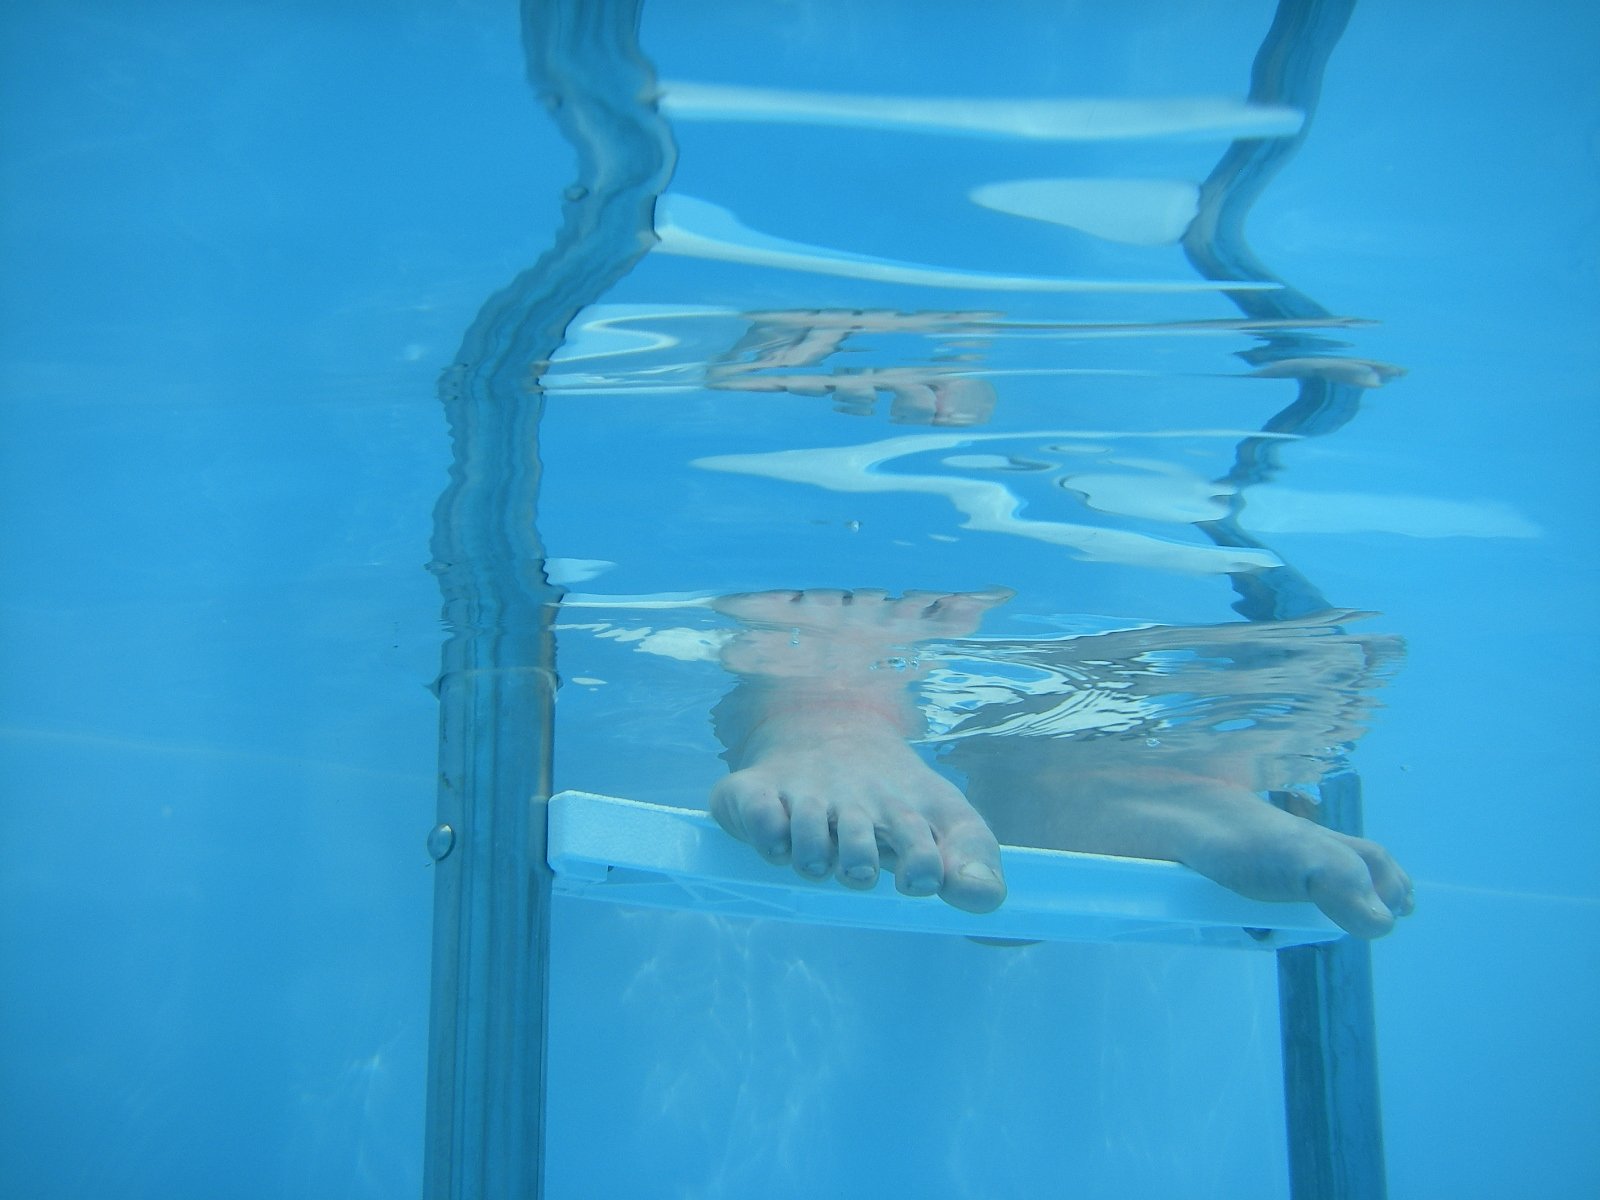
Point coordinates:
pixel 244 246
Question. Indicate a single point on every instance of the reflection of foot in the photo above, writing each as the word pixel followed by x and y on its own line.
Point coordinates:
pixel 1360 372
pixel 917 397
pixel 827 634
pixel 823 777
pixel 1219 828
pixel 783 352
pixel 942 401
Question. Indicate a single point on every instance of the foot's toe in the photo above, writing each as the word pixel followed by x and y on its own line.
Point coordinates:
pixel 1393 885
pixel 810 838
pixel 917 603
pixel 858 848
pixel 973 879
pixel 1340 884
pixel 756 606
pixel 963 401
pixel 953 613
pixel 752 812
pixel 868 597
pixel 918 868
pixel 969 606
pixel 912 404
pixel 824 597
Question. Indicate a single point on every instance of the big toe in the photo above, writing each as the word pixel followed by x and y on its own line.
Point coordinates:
pixel 752 811
pixel 973 877
pixel 1342 887
pixel 1393 885
pixel 975 887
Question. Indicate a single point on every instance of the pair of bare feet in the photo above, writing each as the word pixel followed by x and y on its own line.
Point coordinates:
pixel 824 777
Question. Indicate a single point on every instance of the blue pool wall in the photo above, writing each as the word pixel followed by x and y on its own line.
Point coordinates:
pixel 241 248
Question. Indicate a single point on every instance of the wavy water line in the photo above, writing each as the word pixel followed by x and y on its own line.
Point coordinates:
pixel 696 228
pixel 1063 120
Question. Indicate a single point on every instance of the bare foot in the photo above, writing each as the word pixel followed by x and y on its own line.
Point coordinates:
pixel 866 636
pixel 823 776
pixel 1217 826
pixel 1195 726
pixel 1258 850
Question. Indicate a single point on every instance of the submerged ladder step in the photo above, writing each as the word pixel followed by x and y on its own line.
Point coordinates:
pixel 629 852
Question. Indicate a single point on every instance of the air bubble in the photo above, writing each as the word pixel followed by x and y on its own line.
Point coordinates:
pixel 441 840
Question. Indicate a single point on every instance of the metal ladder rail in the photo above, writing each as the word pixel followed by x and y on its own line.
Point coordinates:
pixel 484 1136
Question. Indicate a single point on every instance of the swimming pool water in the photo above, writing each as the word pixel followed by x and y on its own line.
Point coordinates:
pixel 247 242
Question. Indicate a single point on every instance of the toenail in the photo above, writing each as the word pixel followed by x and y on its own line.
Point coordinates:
pixel 980 873
pixel 862 873
pixel 817 869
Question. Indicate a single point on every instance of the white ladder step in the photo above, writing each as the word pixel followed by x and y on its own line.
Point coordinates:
pixel 626 851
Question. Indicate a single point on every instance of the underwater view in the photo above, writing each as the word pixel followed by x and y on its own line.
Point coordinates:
pixel 722 598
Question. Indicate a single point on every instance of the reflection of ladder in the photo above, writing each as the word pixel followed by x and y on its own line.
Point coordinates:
pixel 494 883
